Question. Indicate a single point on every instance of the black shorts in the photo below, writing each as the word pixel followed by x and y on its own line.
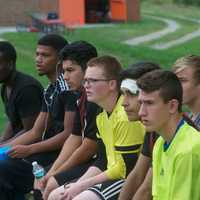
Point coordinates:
pixel 72 174
pixel 108 190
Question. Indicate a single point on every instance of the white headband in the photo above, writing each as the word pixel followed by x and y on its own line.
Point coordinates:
pixel 129 84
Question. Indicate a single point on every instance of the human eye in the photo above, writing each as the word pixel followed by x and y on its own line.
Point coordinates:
pixel 89 80
pixel 149 102
pixel 183 80
pixel 93 80
pixel 70 69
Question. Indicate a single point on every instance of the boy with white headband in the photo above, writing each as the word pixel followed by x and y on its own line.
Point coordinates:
pixel 136 185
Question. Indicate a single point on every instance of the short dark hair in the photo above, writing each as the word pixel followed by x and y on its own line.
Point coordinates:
pixel 136 70
pixel 80 52
pixel 166 82
pixel 110 65
pixel 55 41
pixel 8 51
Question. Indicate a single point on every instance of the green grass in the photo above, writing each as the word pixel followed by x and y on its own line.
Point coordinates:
pixel 108 40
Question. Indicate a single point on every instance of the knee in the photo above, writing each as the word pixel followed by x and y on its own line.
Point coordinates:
pixel 53 195
pixel 51 185
pixel 56 193
pixel 87 195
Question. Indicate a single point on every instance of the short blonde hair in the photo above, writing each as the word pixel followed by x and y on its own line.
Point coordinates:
pixel 192 61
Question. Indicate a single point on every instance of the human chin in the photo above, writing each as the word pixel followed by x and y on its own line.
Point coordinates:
pixel 40 73
pixel 148 125
pixel 132 117
pixel 91 99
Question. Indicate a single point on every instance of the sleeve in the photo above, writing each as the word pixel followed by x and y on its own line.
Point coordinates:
pixel 186 178
pixel 29 101
pixel 77 128
pixel 146 148
pixel 101 161
pixel 44 107
pixel 129 139
pixel 149 141
pixel 90 126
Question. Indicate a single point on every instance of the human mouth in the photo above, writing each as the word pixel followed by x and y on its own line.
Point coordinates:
pixel 88 93
pixel 145 122
pixel 38 67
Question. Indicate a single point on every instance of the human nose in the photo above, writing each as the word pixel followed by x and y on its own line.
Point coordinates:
pixel 125 101
pixel 66 76
pixel 86 83
pixel 38 58
pixel 142 110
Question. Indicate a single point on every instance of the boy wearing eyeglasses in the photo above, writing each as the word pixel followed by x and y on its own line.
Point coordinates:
pixel 119 140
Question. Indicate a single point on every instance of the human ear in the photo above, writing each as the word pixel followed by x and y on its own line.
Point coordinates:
pixel 173 106
pixel 113 84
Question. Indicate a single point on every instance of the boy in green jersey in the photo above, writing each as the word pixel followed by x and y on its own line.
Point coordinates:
pixel 176 154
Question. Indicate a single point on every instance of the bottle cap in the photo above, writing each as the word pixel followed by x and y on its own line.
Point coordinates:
pixel 34 163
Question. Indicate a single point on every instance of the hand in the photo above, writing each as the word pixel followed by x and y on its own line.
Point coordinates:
pixel 20 151
pixel 71 190
pixel 40 184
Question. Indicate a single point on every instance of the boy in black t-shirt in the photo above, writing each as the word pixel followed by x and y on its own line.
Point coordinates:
pixel 79 149
pixel 52 127
pixel 20 93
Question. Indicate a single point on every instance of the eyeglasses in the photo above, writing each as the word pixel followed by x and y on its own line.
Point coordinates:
pixel 90 81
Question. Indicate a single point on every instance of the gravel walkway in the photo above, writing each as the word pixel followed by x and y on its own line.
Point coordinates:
pixel 172 26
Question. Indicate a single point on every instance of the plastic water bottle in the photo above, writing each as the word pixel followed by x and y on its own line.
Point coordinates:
pixel 38 170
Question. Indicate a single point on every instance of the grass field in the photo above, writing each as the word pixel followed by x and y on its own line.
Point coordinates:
pixel 108 40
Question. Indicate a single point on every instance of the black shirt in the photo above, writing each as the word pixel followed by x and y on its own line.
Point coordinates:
pixel 149 141
pixel 57 100
pixel 85 120
pixel 25 100
pixel 89 129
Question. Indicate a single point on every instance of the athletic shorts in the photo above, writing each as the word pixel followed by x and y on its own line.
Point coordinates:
pixel 73 174
pixel 108 190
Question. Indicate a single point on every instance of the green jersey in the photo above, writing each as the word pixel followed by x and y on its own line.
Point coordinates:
pixel 176 171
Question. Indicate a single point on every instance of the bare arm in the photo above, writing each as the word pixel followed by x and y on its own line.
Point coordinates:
pixel 28 122
pixel 7 133
pixel 92 177
pixel 58 140
pixel 54 143
pixel 135 178
pixel 70 145
pixel 82 154
pixel 145 190
pixel 33 135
